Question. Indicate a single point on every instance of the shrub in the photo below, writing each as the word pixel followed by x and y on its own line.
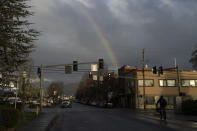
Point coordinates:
pixel 10 117
pixel 189 107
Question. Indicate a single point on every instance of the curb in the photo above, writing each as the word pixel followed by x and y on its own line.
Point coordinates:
pixel 52 122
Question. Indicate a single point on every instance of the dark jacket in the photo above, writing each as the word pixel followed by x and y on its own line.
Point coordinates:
pixel 162 102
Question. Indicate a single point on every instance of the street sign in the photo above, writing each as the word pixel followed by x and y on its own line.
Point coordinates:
pixel 94 67
pixel 68 69
pixel 95 77
pixel 101 78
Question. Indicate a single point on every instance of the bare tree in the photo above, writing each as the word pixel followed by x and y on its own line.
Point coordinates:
pixel 193 59
pixel 55 89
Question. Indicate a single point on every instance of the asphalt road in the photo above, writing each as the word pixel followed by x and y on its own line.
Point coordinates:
pixel 87 118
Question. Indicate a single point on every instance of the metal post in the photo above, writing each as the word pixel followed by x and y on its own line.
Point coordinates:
pixel 144 96
pixel 41 86
pixel 16 93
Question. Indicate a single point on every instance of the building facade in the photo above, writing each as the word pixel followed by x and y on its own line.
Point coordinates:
pixel 169 84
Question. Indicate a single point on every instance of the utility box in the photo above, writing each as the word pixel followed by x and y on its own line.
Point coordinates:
pixel 178 105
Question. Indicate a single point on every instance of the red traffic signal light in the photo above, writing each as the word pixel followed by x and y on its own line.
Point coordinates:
pixel 90 74
pixel 109 75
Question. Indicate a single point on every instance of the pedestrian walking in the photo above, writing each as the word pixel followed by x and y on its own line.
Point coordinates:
pixel 162 102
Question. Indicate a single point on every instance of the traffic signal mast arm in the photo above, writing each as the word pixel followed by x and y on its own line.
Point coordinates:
pixel 82 63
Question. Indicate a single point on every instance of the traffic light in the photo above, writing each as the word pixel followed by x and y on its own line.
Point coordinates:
pixel 75 66
pixel 109 75
pixel 101 63
pixel 39 72
pixel 154 70
pixel 90 75
pixel 161 70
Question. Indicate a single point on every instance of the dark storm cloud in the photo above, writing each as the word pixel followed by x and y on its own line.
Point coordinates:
pixel 165 28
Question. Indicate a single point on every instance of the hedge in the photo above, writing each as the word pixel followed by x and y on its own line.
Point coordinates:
pixel 10 117
pixel 189 107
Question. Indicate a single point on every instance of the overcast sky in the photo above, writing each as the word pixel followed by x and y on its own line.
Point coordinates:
pixel 165 28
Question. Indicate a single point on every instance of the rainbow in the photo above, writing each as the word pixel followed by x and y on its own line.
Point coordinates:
pixel 101 35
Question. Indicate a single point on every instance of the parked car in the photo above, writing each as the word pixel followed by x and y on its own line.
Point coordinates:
pixel 11 100
pixel 46 104
pixel 93 103
pixel 66 103
pixel 33 104
pixel 109 105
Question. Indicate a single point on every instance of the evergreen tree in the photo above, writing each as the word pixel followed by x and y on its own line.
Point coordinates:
pixel 16 34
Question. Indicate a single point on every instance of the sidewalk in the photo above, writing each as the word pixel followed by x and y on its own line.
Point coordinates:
pixel 171 115
pixel 41 123
pixel 174 120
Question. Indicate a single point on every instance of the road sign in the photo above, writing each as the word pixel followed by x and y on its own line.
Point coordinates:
pixel 68 69
pixel 94 67
pixel 95 77
pixel 101 78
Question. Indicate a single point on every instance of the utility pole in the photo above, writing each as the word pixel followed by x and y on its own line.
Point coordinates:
pixel 41 86
pixel 143 65
pixel 98 81
pixel 98 78
pixel 179 81
pixel 178 105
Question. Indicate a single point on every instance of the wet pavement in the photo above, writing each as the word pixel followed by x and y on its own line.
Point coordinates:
pixel 39 124
pixel 88 118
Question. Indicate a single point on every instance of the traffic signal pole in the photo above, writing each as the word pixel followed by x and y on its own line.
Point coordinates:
pixel 179 81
